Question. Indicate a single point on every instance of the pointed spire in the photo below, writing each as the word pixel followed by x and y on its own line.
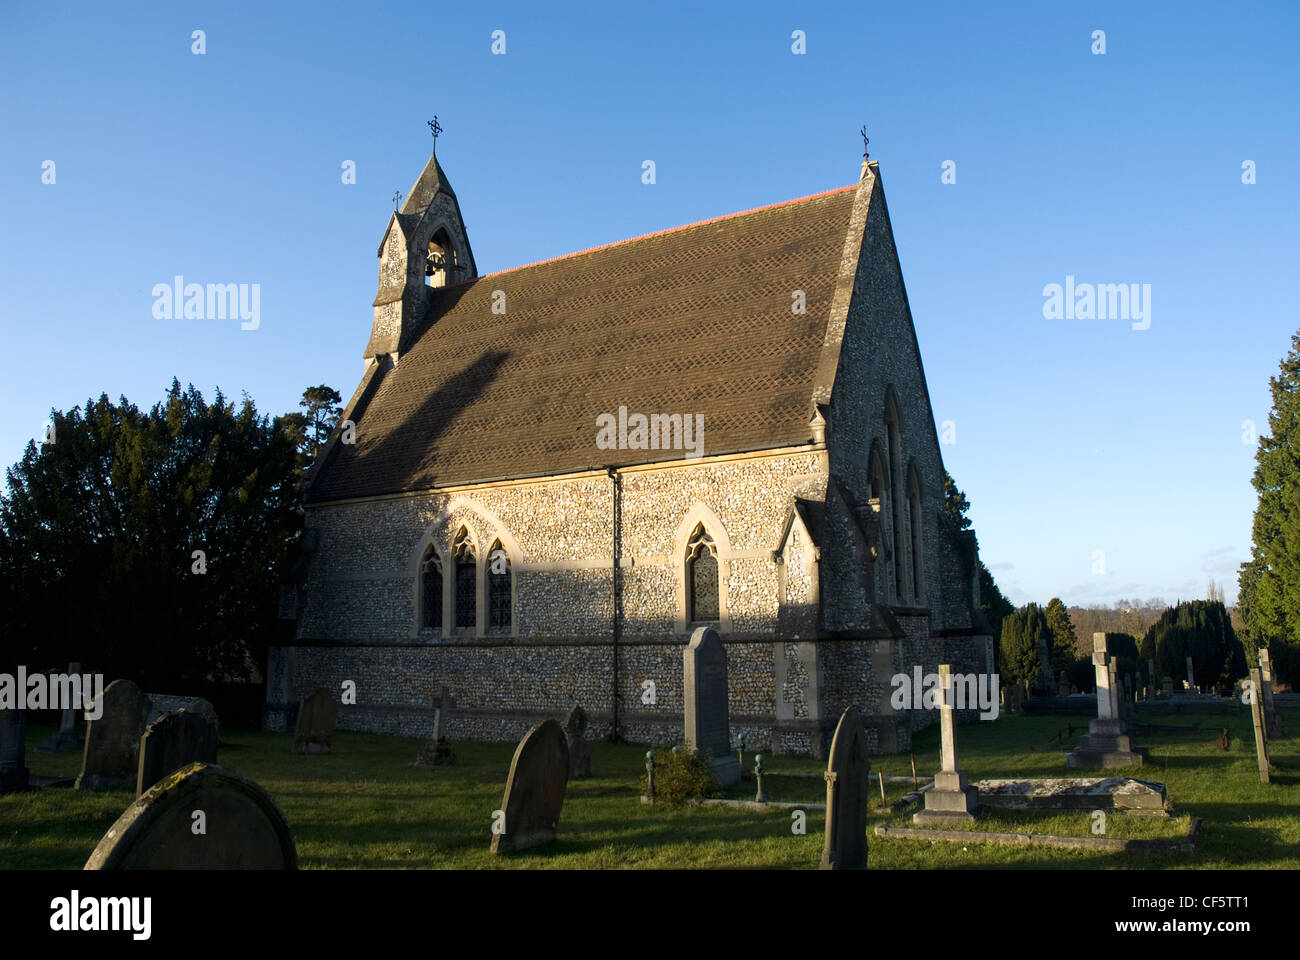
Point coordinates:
pixel 431 181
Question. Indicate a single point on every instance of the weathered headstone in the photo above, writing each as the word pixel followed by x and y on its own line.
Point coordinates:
pixel 173 741
pixel 111 756
pixel 1106 744
pixel 1152 680
pixel 13 751
pixel 1043 681
pixel 534 797
pixel 161 703
pixel 316 718
pixel 847 790
pixel 1167 687
pixel 575 734
pixel 1191 677
pixel 437 752
pixel 1272 718
pixel 704 675
pixel 201 817
pixel 951 798
pixel 1260 724
pixel 66 736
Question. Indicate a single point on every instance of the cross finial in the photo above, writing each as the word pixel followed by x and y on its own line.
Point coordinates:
pixel 435 128
pixel 865 141
pixel 397 198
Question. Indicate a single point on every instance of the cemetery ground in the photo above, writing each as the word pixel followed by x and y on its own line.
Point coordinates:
pixel 364 807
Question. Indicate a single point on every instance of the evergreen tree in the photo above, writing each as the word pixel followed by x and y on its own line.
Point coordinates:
pixel 1021 634
pixel 993 604
pixel 1269 594
pixel 321 415
pixel 1202 630
pixel 1065 646
pixel 149 545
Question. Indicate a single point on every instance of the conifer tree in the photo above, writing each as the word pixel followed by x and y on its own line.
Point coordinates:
pixel 1269 597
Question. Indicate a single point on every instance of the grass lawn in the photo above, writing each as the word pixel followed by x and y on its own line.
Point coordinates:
pixel 364 807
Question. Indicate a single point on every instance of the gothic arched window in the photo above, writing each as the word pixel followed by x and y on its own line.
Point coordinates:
pixel 498 577
pixel 918 540
pixel 701 577
pixel 894 452
pixel 431 590
pixel 466 581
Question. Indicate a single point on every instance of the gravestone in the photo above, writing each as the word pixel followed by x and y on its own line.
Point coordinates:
pixel 1152 680
pixel 1167 687
pixel 704 675
pixel 13 751
pixel 1043 682
pixel 161 703
pixel 316 718
pixel 111 756
pixel 1191 678
pixel 575 734
pixel 437 752
pixel 847 789
pixel 539 774
pixel 1063 685
pixel 1260 724
pixel 173 741
pixel 951 798
pixel 242 827
pixel 66 736
pixel 1272 719
pixel 1106 744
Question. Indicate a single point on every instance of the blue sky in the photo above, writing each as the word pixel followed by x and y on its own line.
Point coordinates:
pixel 1072 436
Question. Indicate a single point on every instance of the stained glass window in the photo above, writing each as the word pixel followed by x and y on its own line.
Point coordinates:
pixel 498 589
pixel 466 582
pixel 431 590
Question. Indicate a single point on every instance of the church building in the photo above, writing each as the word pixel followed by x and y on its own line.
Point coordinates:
pixel 548 476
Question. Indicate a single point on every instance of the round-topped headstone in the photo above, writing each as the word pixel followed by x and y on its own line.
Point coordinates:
pixel 201 817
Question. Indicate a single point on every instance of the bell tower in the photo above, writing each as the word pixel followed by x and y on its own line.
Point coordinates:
pixel 425 247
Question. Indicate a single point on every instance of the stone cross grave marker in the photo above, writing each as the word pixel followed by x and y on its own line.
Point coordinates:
pixel 438 752
pixel 111 756
pixel 704 676
pixel 951 798
pixel 534 797
pixel 13 751
pixel 316 718
pixel 575 733
pixel 1272 718
pixel 1257 720
pixel 243 827
pixel 1106 744
pixel 66 736
pixel 847 789
pixel 173 741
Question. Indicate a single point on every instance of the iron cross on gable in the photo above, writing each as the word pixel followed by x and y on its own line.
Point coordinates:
pixel 435 128
pixel 397 198
pixel 865 141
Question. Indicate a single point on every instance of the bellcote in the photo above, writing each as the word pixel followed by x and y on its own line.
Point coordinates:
pixel 424 247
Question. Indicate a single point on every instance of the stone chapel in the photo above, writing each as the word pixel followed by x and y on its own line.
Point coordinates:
pixel 549 475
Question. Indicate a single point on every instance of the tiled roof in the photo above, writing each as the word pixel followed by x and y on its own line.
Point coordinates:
pixel 692 320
